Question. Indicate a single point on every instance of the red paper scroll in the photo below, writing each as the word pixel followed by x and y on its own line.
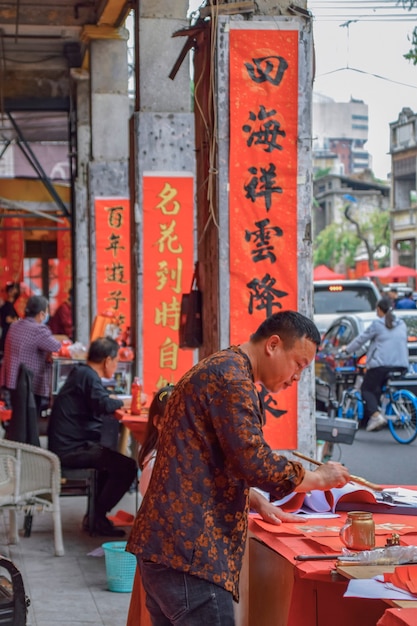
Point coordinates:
pixel 263 195
pixel 64 267
pixel 113 285
pixel 167 273
pixel 14 249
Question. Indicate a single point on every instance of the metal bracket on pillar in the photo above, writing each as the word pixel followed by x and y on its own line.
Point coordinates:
pixel 190 43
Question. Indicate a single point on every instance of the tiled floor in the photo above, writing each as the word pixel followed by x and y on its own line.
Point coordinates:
pixel 68 590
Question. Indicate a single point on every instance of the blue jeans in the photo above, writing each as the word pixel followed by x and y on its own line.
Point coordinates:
pixel 174 597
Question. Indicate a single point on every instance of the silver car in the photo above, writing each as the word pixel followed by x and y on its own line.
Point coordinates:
pixel 334 297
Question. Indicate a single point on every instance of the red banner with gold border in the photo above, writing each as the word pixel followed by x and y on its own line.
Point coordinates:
pixel 113 255
pixel 263 196
pixel 167 273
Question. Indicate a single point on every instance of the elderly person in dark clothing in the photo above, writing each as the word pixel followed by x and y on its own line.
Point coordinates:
pixel 76 427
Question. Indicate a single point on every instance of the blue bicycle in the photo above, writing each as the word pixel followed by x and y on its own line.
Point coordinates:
pixel 398 406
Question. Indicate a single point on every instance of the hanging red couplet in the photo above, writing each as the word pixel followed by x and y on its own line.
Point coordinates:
pixel 167 273
pixel 113 257
pixel 263 196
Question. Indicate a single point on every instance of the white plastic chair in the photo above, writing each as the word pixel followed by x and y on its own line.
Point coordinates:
pixel 30 481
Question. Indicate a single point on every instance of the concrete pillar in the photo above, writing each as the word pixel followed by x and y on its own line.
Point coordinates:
pixel 164 124
pixel 306 422
pixel 81 253
pixel 109 97
pixel 103 153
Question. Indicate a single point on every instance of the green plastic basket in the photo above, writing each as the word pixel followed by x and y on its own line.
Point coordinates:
pixel 120 566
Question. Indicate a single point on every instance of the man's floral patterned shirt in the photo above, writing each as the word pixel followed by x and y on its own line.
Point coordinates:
pixel 193 517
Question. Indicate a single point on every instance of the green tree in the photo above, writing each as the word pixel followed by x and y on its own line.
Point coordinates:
pixel 412 53
pixel 335 244
pixel 340 242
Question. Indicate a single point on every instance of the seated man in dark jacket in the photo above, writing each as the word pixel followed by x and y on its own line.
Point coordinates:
pixel 75 431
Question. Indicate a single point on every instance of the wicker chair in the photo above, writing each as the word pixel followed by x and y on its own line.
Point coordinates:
pixel 30 482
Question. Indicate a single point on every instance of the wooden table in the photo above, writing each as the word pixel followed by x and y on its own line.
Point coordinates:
pixel 280 591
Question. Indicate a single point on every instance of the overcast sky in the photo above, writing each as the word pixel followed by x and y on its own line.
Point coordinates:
pixel 374 43
pixel 375 48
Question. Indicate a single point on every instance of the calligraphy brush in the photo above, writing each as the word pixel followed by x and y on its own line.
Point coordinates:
pixel 354 479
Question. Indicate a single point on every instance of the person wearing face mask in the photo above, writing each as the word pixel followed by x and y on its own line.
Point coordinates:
pixel 29 344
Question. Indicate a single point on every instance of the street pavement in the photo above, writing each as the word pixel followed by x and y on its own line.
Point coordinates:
pixel 69 590
pixel 377 457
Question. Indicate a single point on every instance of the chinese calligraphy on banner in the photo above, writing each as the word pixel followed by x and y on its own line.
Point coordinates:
pixel 167 273
pixel 263 196
pixel 113 284
pixel 64 269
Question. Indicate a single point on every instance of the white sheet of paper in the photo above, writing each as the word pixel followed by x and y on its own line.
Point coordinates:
pixel 371 588
pixel 402 495
pixel 306 514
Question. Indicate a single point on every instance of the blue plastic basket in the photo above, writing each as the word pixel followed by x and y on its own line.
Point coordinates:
pixel 120 566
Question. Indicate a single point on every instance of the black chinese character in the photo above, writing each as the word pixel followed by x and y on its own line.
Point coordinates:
pixel 115 216
pixel 265 182
pixel 262 237
pixel 269 403
pixel 117 297
pixel 114 244
pixel 268 133
pixel 115 273
pixel 267 69
pixel 263 295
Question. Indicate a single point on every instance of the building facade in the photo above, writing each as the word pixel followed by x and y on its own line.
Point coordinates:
pixel 332 193
pixel 340 132
pixel 403 150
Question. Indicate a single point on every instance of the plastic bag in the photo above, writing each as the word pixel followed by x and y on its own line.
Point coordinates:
pixel 392 555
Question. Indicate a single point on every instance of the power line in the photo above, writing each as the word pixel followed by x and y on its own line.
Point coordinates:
pixel 368 10
pixel 355 69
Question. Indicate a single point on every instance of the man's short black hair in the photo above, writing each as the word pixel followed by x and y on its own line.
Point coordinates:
pixel 101 348
pixel 290 326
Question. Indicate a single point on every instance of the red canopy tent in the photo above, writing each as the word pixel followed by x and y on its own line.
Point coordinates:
pixel 322 272
pixel 394 271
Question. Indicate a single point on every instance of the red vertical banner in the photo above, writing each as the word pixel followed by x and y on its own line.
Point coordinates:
pixel 64 271
pixel 113 284
pixel 167 273
pixel 263 196
pixel 15 246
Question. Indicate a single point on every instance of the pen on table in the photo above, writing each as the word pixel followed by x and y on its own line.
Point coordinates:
pixel 354 479
pixel 317 557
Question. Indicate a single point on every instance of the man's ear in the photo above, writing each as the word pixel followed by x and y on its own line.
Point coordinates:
pixel 272 343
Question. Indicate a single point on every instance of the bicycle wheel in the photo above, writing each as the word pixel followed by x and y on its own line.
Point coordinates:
pixel 352 405
pixel 402 416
